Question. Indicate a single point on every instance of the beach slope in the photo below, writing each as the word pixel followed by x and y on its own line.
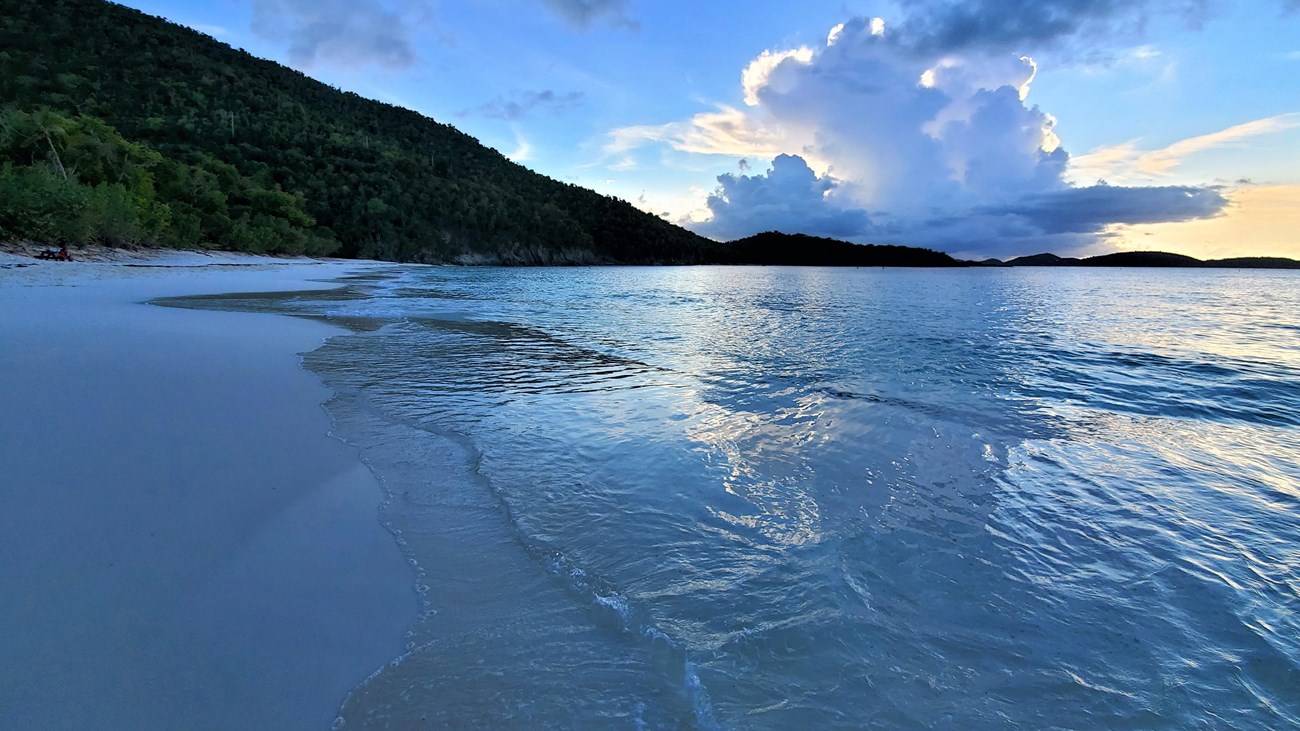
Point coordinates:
pixel 182 543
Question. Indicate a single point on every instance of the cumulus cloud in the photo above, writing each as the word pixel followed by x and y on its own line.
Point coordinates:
pixel 897 147
pixel 906 130
pixel 746 204
pixel 583 14
pixel 758 74
pixel 518 105
pixel 340 32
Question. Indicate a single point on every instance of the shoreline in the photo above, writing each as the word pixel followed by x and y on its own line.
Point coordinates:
pixel 186 545
pixel 1115 260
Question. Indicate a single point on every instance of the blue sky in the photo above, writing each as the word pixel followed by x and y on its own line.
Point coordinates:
pixel 980 127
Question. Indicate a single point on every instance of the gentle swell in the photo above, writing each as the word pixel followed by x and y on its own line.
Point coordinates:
pixel 804 498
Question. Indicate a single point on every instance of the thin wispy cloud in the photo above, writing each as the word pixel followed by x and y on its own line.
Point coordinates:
pixel 585 14
pixel 727 131
pixel 341 32
pixel 353 33
pixel 521 104
pixel 216 31
pixel 1145 53
pixel 1146 60
pixel 523 149
pixel 1128 162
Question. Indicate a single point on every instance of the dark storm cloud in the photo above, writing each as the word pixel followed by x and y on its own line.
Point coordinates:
pixel 792 198
pixel 952 25
pixel 1091 209
pixel 789 197
pixel 518 105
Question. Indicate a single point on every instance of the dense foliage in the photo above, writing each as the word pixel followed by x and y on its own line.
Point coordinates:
pixel 75 180
pixel 121 127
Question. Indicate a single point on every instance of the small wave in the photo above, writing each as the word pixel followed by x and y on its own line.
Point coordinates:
pixel 633 623
pixel 1030 505
pixel 705 717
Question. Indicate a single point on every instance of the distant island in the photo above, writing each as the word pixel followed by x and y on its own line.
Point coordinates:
pixel 776 248
pixel 147 133
pixel 1149 259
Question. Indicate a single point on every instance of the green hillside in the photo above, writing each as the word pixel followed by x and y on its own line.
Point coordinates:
pixel 122 128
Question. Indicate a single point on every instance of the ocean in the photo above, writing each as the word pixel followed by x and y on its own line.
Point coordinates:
pixel 777 498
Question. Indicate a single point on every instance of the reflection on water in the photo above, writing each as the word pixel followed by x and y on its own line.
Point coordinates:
pixel 813 498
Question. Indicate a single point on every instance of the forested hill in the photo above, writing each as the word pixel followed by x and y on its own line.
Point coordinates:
pixel 124 128
pixel 776 248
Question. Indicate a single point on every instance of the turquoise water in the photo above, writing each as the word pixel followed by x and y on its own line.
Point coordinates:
pixel 813 498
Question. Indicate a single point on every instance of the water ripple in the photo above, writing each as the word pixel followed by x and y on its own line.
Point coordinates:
pixel 805 498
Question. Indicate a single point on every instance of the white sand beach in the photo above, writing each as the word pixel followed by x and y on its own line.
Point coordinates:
pixel 182 544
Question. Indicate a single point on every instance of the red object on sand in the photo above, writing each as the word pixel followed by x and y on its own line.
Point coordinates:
pixel 60 255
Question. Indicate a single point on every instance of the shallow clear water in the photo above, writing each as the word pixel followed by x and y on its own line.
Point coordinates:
pixel 815 498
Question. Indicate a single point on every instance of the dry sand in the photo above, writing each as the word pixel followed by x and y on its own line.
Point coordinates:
pixel 182 545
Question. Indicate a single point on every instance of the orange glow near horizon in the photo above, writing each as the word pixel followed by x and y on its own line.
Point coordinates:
pixel 1260 221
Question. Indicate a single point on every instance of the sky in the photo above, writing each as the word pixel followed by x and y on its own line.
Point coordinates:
pixel 984 128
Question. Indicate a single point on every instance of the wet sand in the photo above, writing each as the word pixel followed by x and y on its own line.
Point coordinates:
pixel 182 545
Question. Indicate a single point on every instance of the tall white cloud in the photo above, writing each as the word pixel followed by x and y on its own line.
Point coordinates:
pixel 903 129
pixel 941 149
pixel 758 74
